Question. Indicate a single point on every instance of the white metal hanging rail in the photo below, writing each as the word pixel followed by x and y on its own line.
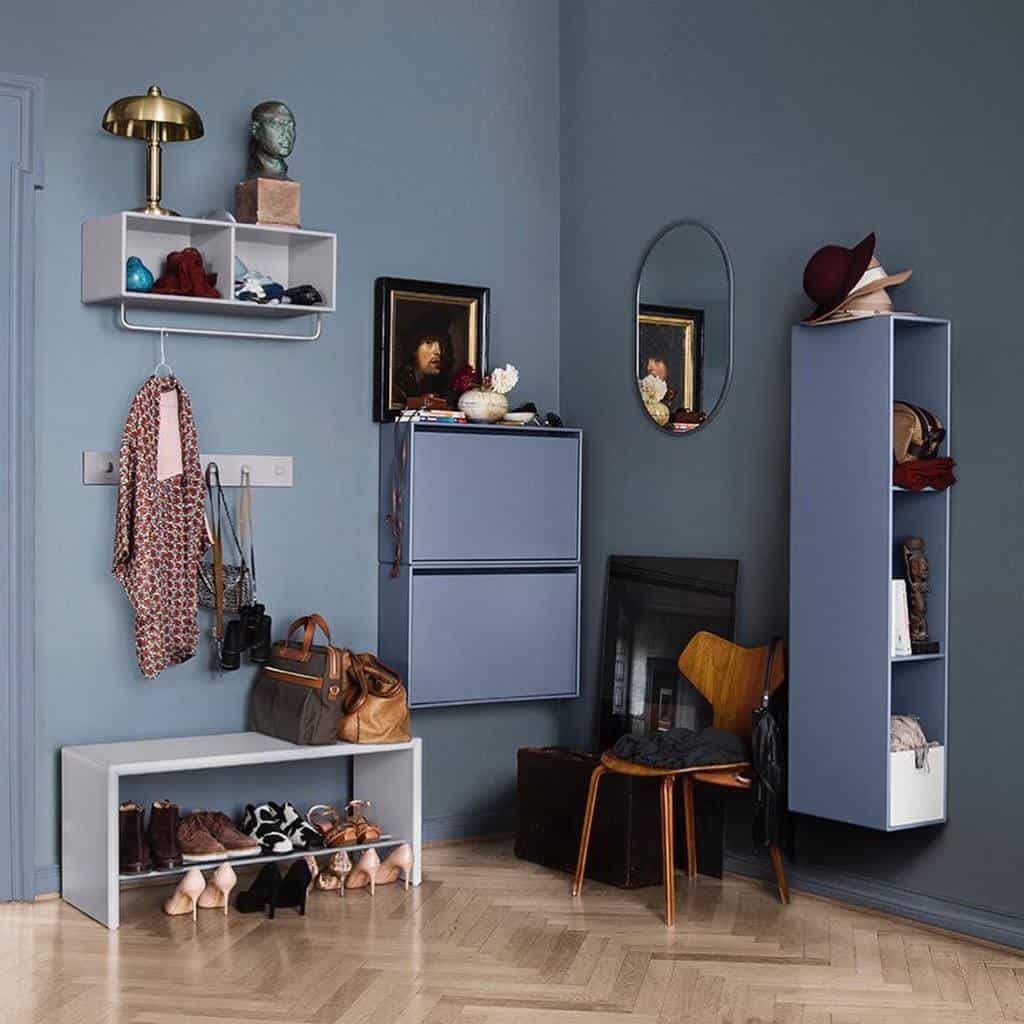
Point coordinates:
pixel 213 332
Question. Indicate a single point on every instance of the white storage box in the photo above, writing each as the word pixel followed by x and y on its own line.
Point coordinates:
pixel 916 795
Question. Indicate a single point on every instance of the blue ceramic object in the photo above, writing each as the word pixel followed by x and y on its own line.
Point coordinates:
pixel 137 276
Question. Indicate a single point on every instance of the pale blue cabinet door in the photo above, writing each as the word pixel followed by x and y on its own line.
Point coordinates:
pixel 493 635
pixel 501 496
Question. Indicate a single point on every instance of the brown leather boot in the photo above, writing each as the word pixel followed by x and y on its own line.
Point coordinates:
pixel 163 835
pixel 134 850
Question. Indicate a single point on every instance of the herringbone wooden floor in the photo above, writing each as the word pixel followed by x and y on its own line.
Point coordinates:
pixel 488 939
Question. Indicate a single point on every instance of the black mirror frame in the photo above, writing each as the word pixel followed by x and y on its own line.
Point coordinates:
pixel 732 316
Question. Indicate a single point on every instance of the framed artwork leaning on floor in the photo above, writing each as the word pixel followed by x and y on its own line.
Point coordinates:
pixel 424 333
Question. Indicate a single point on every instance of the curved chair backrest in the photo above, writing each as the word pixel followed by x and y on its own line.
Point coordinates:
pixel 730 678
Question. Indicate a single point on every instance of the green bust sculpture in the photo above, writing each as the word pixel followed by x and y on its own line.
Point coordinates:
pixel 273 139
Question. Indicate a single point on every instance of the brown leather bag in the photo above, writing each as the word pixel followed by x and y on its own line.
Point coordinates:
pixel 374 704
pixel 298 695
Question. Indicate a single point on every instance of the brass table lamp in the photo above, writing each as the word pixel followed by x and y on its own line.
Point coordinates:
pixel 155 118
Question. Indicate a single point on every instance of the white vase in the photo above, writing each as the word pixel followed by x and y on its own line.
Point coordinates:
pixel 658 411
pixel 483 406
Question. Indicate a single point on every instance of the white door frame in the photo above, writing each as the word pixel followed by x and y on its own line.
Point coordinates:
pixel 17 465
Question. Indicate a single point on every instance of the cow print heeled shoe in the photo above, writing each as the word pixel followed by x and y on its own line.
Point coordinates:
pixel 296 826
pixel 265 823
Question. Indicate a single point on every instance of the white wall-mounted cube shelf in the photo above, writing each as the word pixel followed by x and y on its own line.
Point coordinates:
pixel 291 256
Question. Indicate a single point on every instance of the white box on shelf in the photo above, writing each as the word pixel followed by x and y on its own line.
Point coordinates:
pixel 900 627
pixel 917 795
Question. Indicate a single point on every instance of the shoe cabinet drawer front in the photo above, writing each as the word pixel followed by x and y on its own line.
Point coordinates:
pixel 494 496
pixel 916 795
pixel 493 636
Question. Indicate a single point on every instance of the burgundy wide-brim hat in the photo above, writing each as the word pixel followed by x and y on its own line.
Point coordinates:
pixel 835 276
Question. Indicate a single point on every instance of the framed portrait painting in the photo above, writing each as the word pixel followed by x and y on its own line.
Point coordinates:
pixel 425 333
pixel 670 343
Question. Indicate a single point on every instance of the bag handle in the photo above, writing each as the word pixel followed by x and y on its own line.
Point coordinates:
pixel 245 525
pixel 367 676
pixel 766 685
pixel 312 623
pixel 213 480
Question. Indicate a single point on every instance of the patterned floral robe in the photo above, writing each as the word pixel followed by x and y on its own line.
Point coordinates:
pixel 161 532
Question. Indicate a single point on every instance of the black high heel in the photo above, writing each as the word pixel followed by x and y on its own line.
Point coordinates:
pixel 262 893
pixel 293 888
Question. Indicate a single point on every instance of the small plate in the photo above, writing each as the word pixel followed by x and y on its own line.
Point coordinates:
pixel 518 417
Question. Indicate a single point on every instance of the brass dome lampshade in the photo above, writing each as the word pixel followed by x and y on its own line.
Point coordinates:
pixel 154 118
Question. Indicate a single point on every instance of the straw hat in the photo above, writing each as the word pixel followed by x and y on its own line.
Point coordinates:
pixel 846 283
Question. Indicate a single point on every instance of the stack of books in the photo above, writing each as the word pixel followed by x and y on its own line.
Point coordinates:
pixel 441 416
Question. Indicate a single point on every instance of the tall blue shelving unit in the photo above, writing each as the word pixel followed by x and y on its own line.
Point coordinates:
pixel 847 522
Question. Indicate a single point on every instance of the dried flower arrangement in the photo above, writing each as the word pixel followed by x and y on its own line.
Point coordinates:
pixel 501 380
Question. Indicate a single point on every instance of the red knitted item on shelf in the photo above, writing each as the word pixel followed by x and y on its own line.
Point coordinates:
pixel 917 474
pixel 184 275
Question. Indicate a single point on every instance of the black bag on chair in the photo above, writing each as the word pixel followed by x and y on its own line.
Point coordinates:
pixel 768 758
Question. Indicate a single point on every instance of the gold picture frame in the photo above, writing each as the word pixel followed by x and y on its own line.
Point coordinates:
pixel 669 343
pixel 425 333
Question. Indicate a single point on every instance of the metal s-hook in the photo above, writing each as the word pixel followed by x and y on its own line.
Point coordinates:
pixel 163 364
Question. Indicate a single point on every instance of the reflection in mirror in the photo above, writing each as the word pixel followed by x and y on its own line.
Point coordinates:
pixel 684 328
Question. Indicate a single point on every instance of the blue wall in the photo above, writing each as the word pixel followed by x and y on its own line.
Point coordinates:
pixel 786 126
pixel 428 139
pixel 441 141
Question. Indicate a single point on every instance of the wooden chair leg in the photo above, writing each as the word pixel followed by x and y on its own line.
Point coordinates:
pixel 780 872
pixel 690 820
pixel 588 821
pixel 668 859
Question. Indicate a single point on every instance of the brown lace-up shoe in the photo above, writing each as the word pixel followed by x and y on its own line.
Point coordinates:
pixel 221 827
pixel 196 843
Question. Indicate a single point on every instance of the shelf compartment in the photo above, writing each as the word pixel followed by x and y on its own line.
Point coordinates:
pixel 900 658
pixel 290 257
pixel 384 842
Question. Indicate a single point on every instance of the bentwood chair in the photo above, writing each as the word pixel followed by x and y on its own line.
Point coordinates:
pixel 731 679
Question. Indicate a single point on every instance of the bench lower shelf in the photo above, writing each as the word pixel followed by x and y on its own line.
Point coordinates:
pixel 385 842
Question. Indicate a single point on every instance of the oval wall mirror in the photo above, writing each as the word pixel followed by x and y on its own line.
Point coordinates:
pixel 684 301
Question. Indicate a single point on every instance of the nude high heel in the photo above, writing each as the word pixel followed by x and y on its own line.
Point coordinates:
pixel 183 899
pixel 218 890
pixel 399 861
pixel 365 872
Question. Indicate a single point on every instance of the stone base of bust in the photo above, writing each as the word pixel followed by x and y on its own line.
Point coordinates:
pixel 268 201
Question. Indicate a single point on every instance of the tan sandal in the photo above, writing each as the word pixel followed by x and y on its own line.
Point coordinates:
pixel 332 877
pixel 335 830
pixel 366 831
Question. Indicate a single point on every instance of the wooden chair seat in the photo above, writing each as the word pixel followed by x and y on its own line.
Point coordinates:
pixel 623 767
pixel 728 779
pixel 731 679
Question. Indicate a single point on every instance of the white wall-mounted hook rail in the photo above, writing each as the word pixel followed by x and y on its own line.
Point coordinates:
pixel 262 470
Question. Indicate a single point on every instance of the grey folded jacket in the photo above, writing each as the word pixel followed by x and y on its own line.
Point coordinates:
pixel 682 748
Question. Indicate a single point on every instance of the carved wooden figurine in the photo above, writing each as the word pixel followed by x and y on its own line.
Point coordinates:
pixel 918 588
